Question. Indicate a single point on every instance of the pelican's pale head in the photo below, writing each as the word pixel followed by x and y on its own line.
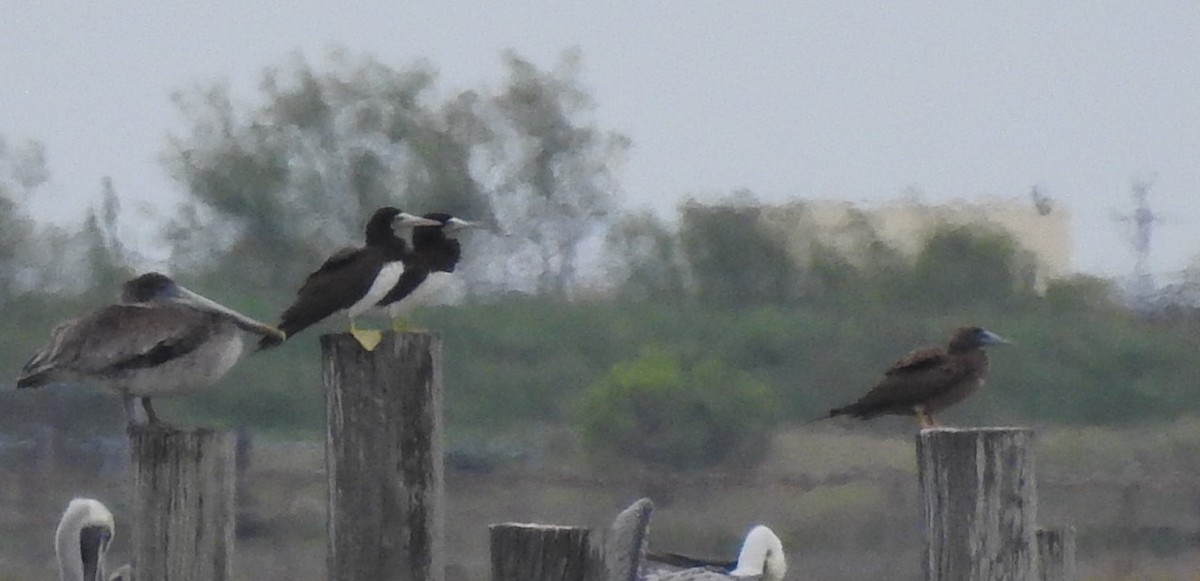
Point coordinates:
pixel 82 540
pixel 762 554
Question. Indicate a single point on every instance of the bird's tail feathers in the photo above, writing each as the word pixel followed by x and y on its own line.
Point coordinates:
pixel 267 342
pixel 833 413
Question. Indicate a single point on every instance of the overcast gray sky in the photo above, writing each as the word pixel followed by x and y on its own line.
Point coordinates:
pixel 827 100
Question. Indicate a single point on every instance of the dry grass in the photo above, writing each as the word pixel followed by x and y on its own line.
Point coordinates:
pixel 843 501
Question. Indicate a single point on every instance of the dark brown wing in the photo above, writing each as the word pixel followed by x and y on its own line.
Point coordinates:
pixel 118 338
pixel 409 281
pixel 339 259
pixel 918 359
pixel 333 287
pixel 914 379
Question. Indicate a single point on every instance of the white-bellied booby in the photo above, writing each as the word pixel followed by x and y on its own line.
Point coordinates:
pixel 436 252
pixel 355 279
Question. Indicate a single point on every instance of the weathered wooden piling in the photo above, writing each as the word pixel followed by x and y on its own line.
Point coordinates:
pixel 1056 553
pixel 383 455
pixel 979 504
pixel 534 552
pixel 183 503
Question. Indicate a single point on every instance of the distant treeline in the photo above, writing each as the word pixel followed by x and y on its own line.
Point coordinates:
pixel 571 295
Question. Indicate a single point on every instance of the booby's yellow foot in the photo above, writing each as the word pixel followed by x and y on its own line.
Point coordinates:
pixel 368 338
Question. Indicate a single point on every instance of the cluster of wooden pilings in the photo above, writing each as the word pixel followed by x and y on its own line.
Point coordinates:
pixel 386 499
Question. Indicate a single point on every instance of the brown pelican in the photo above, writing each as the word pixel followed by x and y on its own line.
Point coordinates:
pixel 355 279
pixel 81 542
pixel 436 253
pixel 928 380
pixel 626 558
pixel 161 339
pixel 761 558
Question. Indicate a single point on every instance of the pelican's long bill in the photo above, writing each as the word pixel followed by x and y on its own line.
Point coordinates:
pixel 93 544
pixel 251 325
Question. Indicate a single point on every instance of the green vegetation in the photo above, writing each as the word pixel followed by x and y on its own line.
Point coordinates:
pixel 729 317
pixel 654 410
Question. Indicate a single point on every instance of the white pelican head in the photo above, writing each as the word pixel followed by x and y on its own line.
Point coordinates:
pixel 82 540
pixel 762 554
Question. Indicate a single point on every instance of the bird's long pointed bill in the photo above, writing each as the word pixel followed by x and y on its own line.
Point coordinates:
pixel 454 224
pixel 239 319
pixel 406 219
pixel 993 339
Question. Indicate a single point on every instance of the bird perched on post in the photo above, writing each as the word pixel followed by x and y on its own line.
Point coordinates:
pixel 436 250
pixel 355 279
pixel 928 380
pixel 160 339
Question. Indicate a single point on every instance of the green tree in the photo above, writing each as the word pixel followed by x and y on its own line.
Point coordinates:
pixel 557 183
pixel 274 189
pixel 22 171
pixel 656 411
pixel 644 256
pixel 733 259
pixel 972 265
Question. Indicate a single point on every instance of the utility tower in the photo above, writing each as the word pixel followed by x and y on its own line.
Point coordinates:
pixel 1143 220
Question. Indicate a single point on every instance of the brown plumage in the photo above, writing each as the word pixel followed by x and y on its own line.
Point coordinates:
pixel 928 380
pixel 160 339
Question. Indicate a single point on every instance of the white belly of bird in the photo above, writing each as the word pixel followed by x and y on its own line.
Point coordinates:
pixel 189 373
pixel 387 278
pixel 435 290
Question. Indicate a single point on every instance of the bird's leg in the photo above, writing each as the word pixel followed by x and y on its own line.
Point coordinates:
pixel 923 418
pixel 130 410
pixel 368 338
pixel 151 417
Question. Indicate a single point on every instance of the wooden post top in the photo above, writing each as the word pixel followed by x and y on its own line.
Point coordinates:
pixel 994 429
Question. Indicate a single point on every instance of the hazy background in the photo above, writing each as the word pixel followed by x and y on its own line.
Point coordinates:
pixel 818 100
pixel 600 353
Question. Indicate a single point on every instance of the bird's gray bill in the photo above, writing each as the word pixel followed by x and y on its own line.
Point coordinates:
pixel 406 219
pixel 990 338
pixel 251 325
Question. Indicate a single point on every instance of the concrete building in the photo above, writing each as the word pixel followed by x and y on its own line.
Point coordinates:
pixel 905 225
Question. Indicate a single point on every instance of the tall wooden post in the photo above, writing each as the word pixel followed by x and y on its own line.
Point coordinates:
pixel 980 504
pixel 183 503
pixel 383 456
pixel 533 552
pixel 1056 553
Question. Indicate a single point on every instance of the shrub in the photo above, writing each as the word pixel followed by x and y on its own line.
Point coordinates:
pixel 653 410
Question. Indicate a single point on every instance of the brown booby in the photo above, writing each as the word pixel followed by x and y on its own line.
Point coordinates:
pixel 928 380
pixel 436 250
pixel 355 279
pixel 160 339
